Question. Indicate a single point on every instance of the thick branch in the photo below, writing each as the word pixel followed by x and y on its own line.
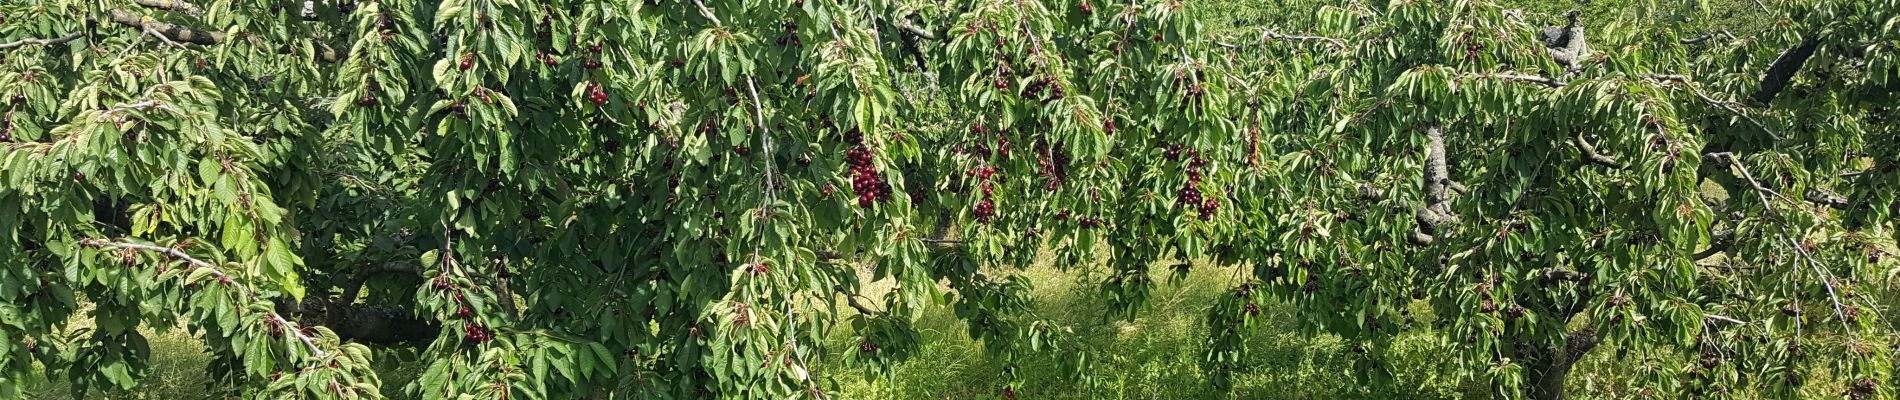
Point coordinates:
pixel 1826 199
pixel 904 24
pixel 1718 242
pixel 1783 69
pixel 290 327
pixel 41 42
pixel 165 30
pixel 169 5
pixel 1436 212
pixel 1590 153
pixel 1564 275
pixel 707 12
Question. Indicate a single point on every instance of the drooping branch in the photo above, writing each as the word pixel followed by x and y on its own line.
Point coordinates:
pixel 42 42
pixel 169 5
pixel 244 291
pixel 168 31
pixel 1436 212
pixel 1783 70
pixel 1590 153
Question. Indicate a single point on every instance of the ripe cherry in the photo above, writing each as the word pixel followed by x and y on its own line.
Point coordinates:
pixel 468 61
pixel 1085 8
pixel 366 101
pixel 590 64
pixel 459 109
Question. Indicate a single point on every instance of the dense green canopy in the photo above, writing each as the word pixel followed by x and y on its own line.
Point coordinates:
pixel 681 199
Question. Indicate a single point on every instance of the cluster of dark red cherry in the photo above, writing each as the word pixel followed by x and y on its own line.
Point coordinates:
pixel 1190 193
pixel 985 175
pixel 471 331
pixel 865 181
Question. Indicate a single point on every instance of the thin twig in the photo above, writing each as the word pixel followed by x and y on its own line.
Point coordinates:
pixel 42 42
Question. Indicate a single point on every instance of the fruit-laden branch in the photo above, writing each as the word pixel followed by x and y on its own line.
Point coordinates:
pixel 1783 69
pixel 165 30
pixel 245 291
pixel 41 42
pixel 169 5
pixel 1590 153
pixel 1436 212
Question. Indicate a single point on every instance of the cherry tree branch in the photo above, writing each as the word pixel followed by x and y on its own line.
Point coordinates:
pixel 1436 212
pixel 708 12
pixel 1762 192
pixel 169 5
pixel 1269 34
pixel 1706 36
pixel 1783 70
pixel 1590 153
pixel 851 299
pixel 245 291
pixel 42 42
pixel 1827 199
pixel 166 30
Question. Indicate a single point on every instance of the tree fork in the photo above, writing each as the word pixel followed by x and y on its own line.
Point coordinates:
pixel 1551 368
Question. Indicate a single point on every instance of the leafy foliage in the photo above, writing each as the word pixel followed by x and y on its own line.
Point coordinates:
pixel 682 199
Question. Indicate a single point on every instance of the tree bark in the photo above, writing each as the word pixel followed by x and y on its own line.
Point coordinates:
pixel 1552 367
pixel 1783 70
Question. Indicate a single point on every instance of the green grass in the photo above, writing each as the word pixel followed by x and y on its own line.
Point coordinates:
pixel 1155 356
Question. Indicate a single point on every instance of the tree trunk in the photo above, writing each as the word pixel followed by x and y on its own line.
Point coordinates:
pixel 1548 372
